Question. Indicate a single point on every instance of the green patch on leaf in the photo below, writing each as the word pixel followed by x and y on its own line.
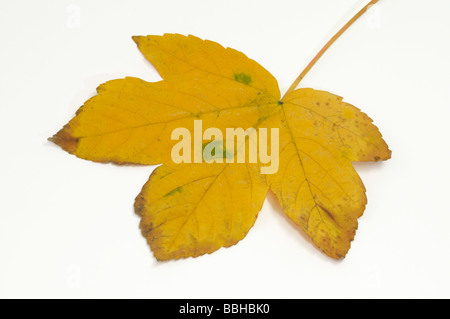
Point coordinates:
pixel 173 192
pixel 243 78
pixel 213 150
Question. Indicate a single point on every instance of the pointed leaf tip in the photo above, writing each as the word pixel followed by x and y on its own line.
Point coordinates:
pixel 137 38
pixel 65 140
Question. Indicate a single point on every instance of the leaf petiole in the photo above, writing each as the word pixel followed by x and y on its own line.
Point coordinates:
pixel 328 45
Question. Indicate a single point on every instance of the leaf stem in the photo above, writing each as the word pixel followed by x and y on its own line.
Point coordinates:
pixel 328 45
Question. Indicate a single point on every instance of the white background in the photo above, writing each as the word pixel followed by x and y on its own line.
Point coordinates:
pixel 67 226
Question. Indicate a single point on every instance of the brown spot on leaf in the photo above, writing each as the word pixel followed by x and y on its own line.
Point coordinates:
pixel 326 211
pixel 65 140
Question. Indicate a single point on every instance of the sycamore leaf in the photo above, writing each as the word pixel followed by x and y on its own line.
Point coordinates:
pixel 320 137
pixel 131 121
pixel 194 209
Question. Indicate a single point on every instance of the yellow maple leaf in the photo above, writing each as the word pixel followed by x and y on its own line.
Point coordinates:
pixel 190 209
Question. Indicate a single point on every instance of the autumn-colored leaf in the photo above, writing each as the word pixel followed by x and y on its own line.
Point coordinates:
pixel 193 209
pixel 190 209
